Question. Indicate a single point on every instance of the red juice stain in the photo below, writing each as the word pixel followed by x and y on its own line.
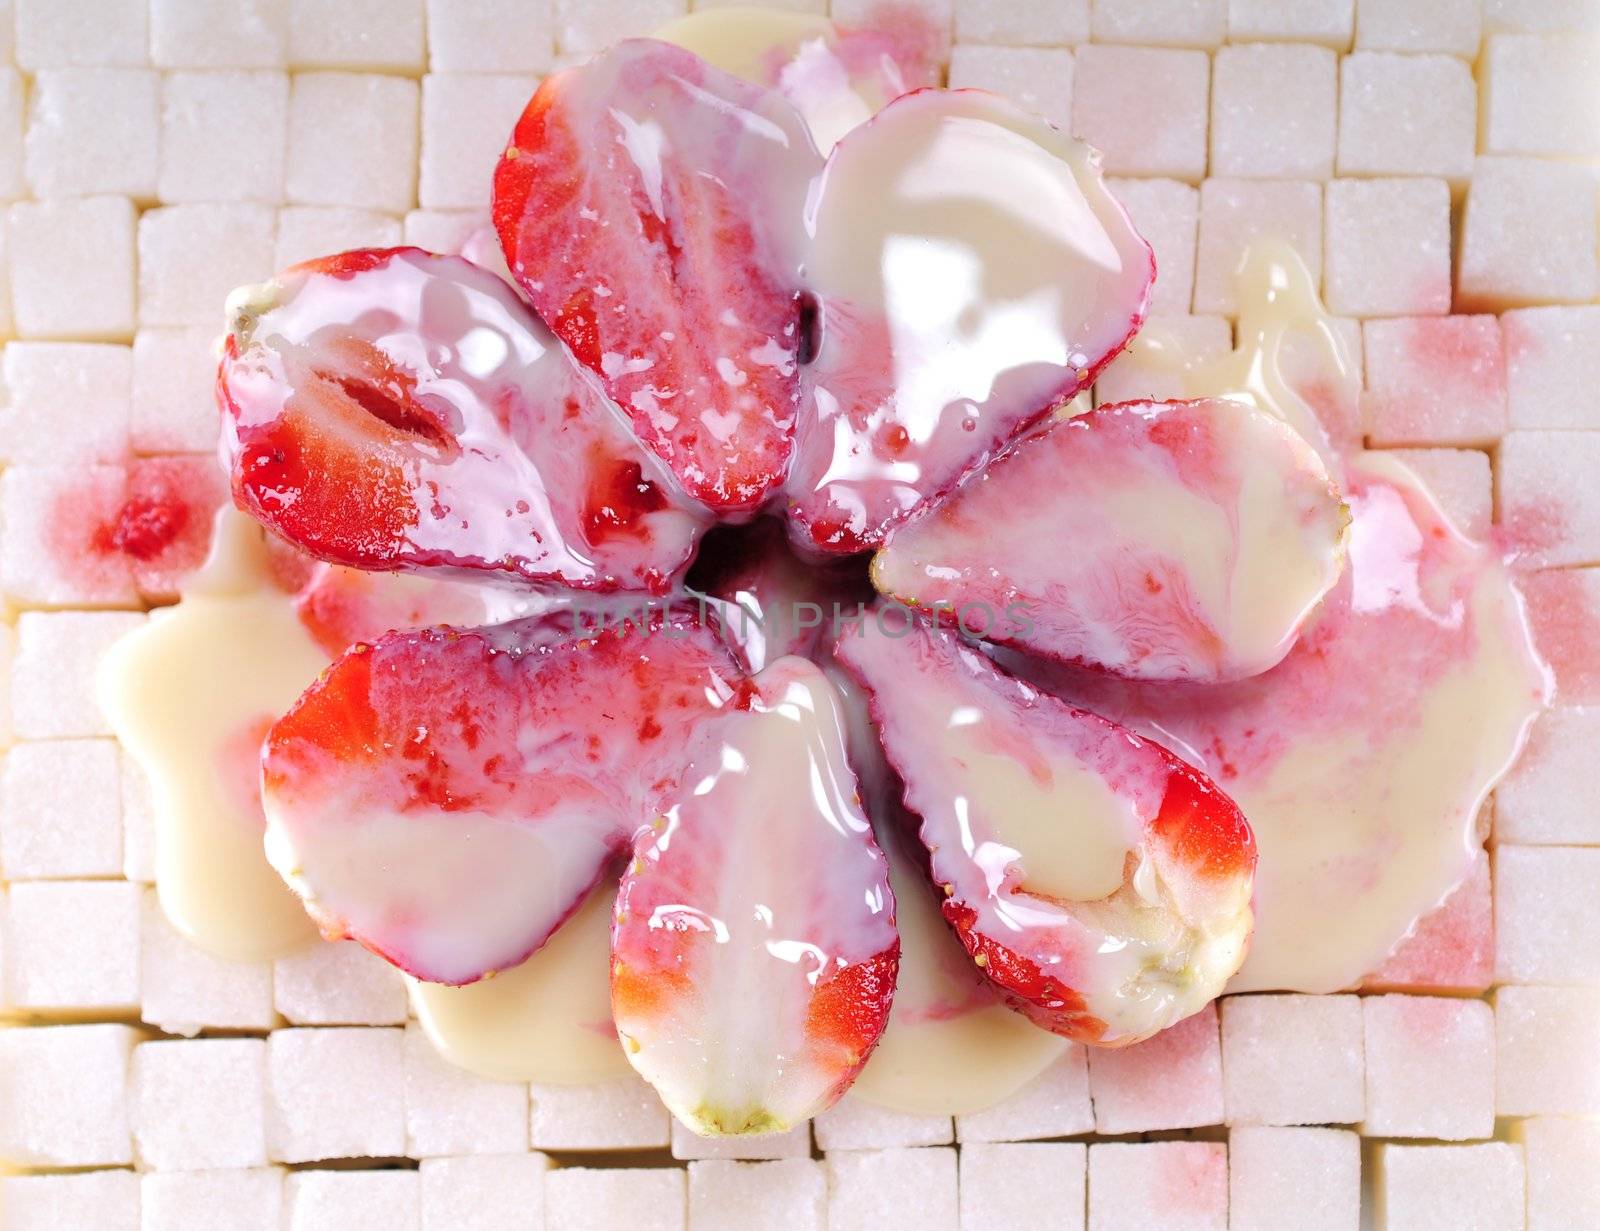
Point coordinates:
pixel 619 499
pixel 145 526
pixel 1564 613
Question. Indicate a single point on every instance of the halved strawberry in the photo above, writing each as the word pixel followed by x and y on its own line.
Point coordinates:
pixel 972 272
pixel 397 410
pixel 1158 540
pixel 448 798
pixel 1100 883
pixel 340 606
pixel 754 951
pixel 651 208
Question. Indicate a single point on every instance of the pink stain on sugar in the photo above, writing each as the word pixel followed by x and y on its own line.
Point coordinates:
pixel 897 42
pixel 1194 1178
pixel 1528 529
pixel 1564 613
pixel 1451 948
pixel 238 768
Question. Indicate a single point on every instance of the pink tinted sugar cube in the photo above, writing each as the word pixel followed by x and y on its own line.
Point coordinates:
pixel 191 257
pixel 335 1093
pixel 1144 109
pixel 1545 1060
pixel 467 119
pixel 1012 1186
pixel 61 810
pixel 1430 1067
pixel 1564 613
pixel 72 947
pixel 1547 914
pixel 199 1104
pixel 486 1192
pixel 1059 24
pixel 619 1115
pixel 731 1196
pixel 72 268
pixel 1387 247
pixel 1173 1080
pixel 1435 381
pixel 1461 480
pixel 50 34
pixel 171 507
pixel 53 673
pixel 1274 108
pixel 1160 23
pixel 1563 1182
pixel 60 549
pixel 1549 504
pixel 1174 1185
pixel 1552 794
pixel 309 231
pixel 1167 214
pixel 1453 26
pixel 1528 235
pixel 250 1200
pixel 1407 115
pixel 174 399
pixel 796 1143
pixel 1054 1104
pixel 855 1124
pixel 594 1199
pixel 377 35
pixel 104 1200
pixel 93 130
pixel 1553 366
pixel 1233 214
pixel 1037 79
pixel 872 1189
pixel 450 1111
pixel 1542 94
pixel 69 402
pixel 1139 373
pixel 1328 22
pixel 353 141
pixel 338 984
pixel 65 1091
pixel 1316 1172
pixel 352 1201
pixel 202 157
pixel 492 36
pixel 1448 1188
pixel 1451 948
pixel 218 33
pixel 1292 1059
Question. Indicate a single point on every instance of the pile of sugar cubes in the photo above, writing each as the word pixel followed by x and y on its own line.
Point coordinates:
pixel 1433 161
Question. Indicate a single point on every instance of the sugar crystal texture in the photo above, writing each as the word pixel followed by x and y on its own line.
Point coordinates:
pixel 1552 794
pixel 1065 22
pixel 1037 79
pixel 619 1115
pixel 1538 1071
pixel 352 1201
pixel 1563 1182
pixel 1407 115
pixel 1387 247
pixel 174 405
pixel 53 674
pixel 1174 1185
pixel 1173 1080
pixel 1460 480
pixel 72 947
pixel 137 808
pixel 492 36
pixel 186 989
pixel 1451 948
pixel 1454 26
pixel 872 1189
pixel 1054 1104
pixel 450 1111
pixel 1007 1186
pixel 1435 381
pixel 443 230
pixel 205 154
pixel 590 1199
pixel 94 130
pixel 1143 108
pixel 191 257
pixel 218 33
pixel 61 810
pixel 486 1192
pixel 1564 614
pixel 1548 501
pixel 1160 23
pixel 376 35
pixel 1553 366
pixel 309 231
pixel 67 402
pixel 1528 234
pixel 855 1124
pixel 1328 22
pixel 65 1091
pixel 60 549
pixel 1316 1172
pixel 1542 95
pixel 335 1093
pixel 1274 107
pixel 1547 914
pixel 584 27
pixel 103 1200
pixel 1448 1188
pixel 1234 213
pixel 250 1200
pixel 1166 213
pixel 13 117
pixel 53 34
pixel 1292 1059
pixel 467 119
pixel 1430 1067
pixel 338 984
pixel 353 141
pixel 72 268
pixel 199 1104
pixel 733 1196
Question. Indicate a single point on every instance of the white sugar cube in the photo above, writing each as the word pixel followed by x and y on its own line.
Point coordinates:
pixel 216 1200
pixel 94 130
pixel 12 115
pixel 1535 15
pixel 732 1196
pixel 1564 612
pixel 1460 480
pixel 1166 213
pixel 619 1115
pixel 1546 1063
pixel 375 35
pixel 467 120
pixel 1174 1185
pixel 1316 1172
pixel 1173 1080
pixel 60 549
pixel 73 946
pixel 584 27
pixel 1234 213
pixel 450 1111
pixel 869 1190
pixel 1292 1059
pixel 199 1104
pixel 1054 1104
pixel 65 1091
pixel 493 36
pixel 1407 115
pixel 1136 375
pixel 223 136
pixel 352 1201
pixel 1328 22
pixel 191 257
pixel 796 1143
pixel 1528 234
pixel 1563 1183
pixel 138 821
pixel 1451 948
pixel 61 810
pixel 1435 381
pixel 103 1200
pixel 1057 24
pixel 51 34
pixel 187 989
pixel 68 402
pixel 1552 794
pixel 1008 1187
pixel 338 984
pixel 439 230
pixel 309 231
pixel 488 1192
pixel 52 677
pixel 1037 79
pixel 1430 1067
pixel 174 399
pixel 218 33
pixel 353 141
pixel 585 1199
pixel 1448 1188
pixel 855 1124
pixel 1273 111
pixel 1144 109
pixel 1552 366
pixel 1547 914
pixel 1454 26
pixel 335 1093
pixel 1542 94
pixel 1547 497
pixel 1160 23
pixel 72 268
pixel 1387 247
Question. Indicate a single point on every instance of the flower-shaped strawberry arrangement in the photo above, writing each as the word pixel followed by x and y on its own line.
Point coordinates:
pixel 713 324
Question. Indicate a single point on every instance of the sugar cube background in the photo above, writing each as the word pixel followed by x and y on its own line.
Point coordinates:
pixel 1387 247
pixel 1236 212
pixel 1553 366
pixel 65 1091
pixel 467 120
pixel 731 1196
pixel 50 34
pixel 60 550
pixel 1274 107
pixel 870 1189
pixel 338 984
pixel 174 407
pixel 13 118
pixel 1542 94
pixel 1429 1067
pixel 1021 25
pixel 1328 22
pixel 443 230
pixel 1160 23
pixel 192 256
pixel 1546 496
pixel 61 810
pixel 1143 108
pixel 336 1092
pixel 199 1104
pixel 589 1199
pixel 1167 214
pixel 353 141
pixel 73 947
pixel 1316 1172
pixel 620 1115
pixel 492 36
pixel 1407 115
pixel 452 1112
pixel 1038 79
pixel 1454 26
pixel 52 675
pixel 1528 235
pixel 1563 1184
pixel 486 1192
pixel 1435 381
pixel 377 35
pixel 352 1201
pixel 1292 1059
pixel 307 231
pixel 1564 613
pixel 218 33
pixel 1538 1070
pixel 72 267
pixel 1547 914
pixel 1461 480
pixel 1444 1188
pixel 1173 1080
pixel 203 157
pixel 1009 1187
pixel 1552 794
pixel 67 402
pixel 136 806
pixel 1175 1185
pixel 94 130
pixel 104 1200
pixel 855 1124
pixel 220 1200
pixel 1054 1104
pixel 185 989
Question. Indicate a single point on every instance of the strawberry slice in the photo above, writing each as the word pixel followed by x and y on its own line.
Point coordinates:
pixel 972 272
pixel 651 208
pixel 1169 541
pixel 448 798
pixel 395 410
pixel 1100 883
pixel 340 606
pixel 754 951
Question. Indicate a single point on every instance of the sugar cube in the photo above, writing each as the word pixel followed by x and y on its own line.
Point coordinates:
pixel 1563 1184
pixel 199 1104
pixel 1552 794
pixel 584 27
pixel 1060 23
pixel 1007 1187
pixel 855 1124
pixel 352 1201
pixel 335 1093
pixel 587 1199
pixel 493 36
pixel 104 1200
pixel 50 34
pixel 467 120
pixel 216 1200
pixel 1173 1080
pixel 1166 213
pixel 1234 213
pixel 73 946
pixel 1447 1188
pixel 353 141
pixel 1453 26
pixel 1387 247
pixel 94 130
pixel 1328 22
pixel 1460 480
pixel 732 1196
pixel 191 257
pixel 1160 23
pixel 1273 111
pixel 1543 1065
pixel 796 1143
pixel 1548 502
pixel 187 989
pixel 487 1192
pixel 374 35
pixel 619 1115
pixel 1144 109
pixel 61 546
pixel 68 402
pixel 1547 914
pixel 52 677
pixel 218 33
pixel 174 405
pixel 1531 15
pixel 1430 1067
pixel 1564 613
pixel 1435 381
pixel 60 810
pixel 1407 115
pixel 869 1190
pixel 338 984
pixel 1152 368
pixel 137 808
pixel 1174 1185
pixel 450 1111
pixel 1292 1059
pixel 1552 366
pixel 172 505
pixel 1542 94
pixel 1316 1172
pixel 1054 1104
pixel 308 231
pixel 13 112
pixel 65 1091
pixel 1037 79
pixel 437 230
pixel 1451 948
pixel 1528 234
pixel 204 156
pixel 72 268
